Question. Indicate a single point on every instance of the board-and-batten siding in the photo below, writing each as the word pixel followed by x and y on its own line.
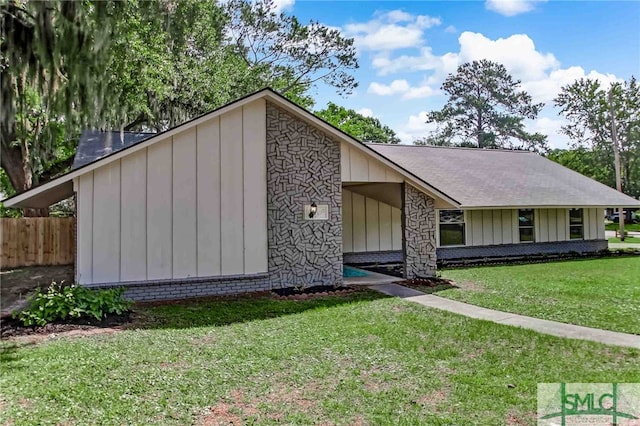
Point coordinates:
pixel 488 227
pixel 369 225
pixel 193 205
pixel 358 167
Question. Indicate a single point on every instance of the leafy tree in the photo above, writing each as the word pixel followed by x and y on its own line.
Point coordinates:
pixel 585 105
pixel 487 108
pixel 598 165
pixel 365 129
pixel 140 64
pixel 50 55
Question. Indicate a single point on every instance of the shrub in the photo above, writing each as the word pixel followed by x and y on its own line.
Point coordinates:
pixel 60 302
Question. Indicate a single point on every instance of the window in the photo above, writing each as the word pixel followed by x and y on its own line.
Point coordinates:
pixel 526 225
pixel 576 224
pixel 451 228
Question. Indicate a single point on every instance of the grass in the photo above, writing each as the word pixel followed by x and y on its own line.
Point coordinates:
pixel 627 227
pixel 601 293
pixel 356 359
pixel 627 240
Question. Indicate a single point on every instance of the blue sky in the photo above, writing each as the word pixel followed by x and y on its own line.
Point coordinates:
pixel 406 49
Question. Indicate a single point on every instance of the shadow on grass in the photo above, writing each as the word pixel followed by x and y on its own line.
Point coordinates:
pixel 10 356
pixel 207 312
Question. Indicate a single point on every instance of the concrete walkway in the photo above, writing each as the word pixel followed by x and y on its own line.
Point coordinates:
pixel 542 326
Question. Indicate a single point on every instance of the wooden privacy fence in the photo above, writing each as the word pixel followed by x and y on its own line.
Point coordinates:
pixel 33 241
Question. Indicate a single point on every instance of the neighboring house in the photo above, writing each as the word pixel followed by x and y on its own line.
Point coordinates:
pixel 262 194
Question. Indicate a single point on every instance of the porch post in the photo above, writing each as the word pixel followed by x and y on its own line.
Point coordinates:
pixel 418 233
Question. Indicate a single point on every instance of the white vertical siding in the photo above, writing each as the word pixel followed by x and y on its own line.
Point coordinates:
pixel 369 225
pixel 359 223
pixel 373 224
pixel 541 226
pixel 552 223
pixel 208 175
pixel 106 223
pixel 475 217
pixel 190 205
pixel 159 211
pixel 506 217
pixel 562 224
pixel 358 167
pixel 232 197
pixel 386 234
pixel 184 205
pixel 600 224
pixel 85 229
pixel 487 227
pixel 133 235
pixel 254 160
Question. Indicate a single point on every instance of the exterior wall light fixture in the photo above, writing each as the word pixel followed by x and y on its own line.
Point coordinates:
pixel 313 210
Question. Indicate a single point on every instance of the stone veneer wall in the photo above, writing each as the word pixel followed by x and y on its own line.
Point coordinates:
pixel 303 166
pixel 419 229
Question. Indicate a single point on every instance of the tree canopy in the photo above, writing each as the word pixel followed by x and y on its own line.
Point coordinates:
pixel 587 109
pixel 485 108
pixel 148 65
pixel 365 129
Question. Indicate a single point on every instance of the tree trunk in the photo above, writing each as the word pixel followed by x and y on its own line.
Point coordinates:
pixel 13 165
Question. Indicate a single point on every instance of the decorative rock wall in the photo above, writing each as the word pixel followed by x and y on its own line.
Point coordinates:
pixel 303 166
pixel 419 229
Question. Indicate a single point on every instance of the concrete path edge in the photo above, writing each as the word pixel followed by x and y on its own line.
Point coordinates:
pixel 553 328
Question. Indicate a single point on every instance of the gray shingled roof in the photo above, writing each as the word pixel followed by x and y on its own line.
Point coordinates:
pixel 95 144
pixel 501 178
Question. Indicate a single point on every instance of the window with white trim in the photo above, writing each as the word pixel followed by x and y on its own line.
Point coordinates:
pixel 576 224
pixel 451 228
pixel 526 225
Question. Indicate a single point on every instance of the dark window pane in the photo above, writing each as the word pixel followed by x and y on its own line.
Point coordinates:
pixel 576 232
pixel 575 216
pixel 525 217
pixel 526 234
pixel 452 234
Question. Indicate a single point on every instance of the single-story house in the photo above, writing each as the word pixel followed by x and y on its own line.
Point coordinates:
pixel 262 194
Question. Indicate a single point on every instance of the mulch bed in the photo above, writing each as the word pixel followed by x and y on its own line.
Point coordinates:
pixel 293 293
pixel 428 285
pixel 10 327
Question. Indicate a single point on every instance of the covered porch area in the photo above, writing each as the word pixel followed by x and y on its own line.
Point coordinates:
pixel 386 218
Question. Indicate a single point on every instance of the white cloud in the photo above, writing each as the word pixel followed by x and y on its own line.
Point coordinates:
pixel 511 7
pixel 402 88
pixel 547 88
pixel 551 128
pixel 415 127
pixel 367 112
pixel 281 5
pixel 390 30
pixel 396 87
pixel 451 29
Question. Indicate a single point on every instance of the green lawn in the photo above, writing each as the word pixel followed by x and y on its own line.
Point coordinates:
pixel 357 359
pixel 627 227
pixel 601 293
pixel 627 240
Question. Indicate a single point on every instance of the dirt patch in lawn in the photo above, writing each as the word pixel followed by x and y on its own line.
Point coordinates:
pixel 17 284
pixel 428 285
pixel 237 409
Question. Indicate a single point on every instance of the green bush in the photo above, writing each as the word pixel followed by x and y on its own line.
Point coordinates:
pixel 60 302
